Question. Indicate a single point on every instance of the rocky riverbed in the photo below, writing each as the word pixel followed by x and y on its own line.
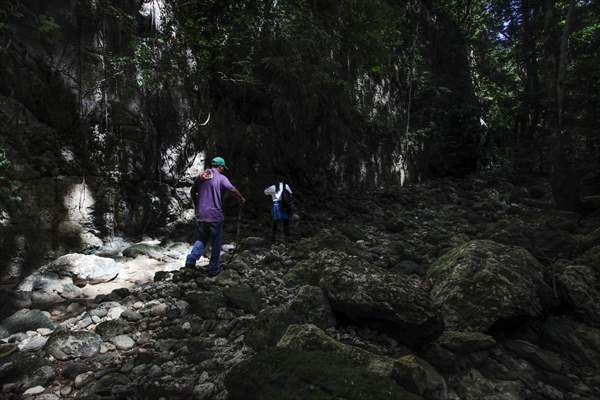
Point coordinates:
pixel 470 289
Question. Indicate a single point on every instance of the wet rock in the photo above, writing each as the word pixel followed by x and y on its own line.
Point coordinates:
pixel 110 328
pixel 482 282
pixel 581 289
pixel 394 303
pixel 65 345
pixel 26 320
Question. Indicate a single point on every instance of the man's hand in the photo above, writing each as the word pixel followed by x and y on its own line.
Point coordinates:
pixel 238 196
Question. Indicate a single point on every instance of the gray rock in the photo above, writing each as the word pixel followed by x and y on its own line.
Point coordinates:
pixel 481 282
pixel 65 345
pixel 66 390
pixel 34 344
pixel 203 391
pixel 123 342
pixel 110 328
pixel 159 310
pixel 27 320
pixel 132 316
pixel 82 379
pixel 34 390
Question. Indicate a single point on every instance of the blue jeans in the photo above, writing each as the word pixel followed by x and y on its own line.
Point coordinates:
pixel 207 231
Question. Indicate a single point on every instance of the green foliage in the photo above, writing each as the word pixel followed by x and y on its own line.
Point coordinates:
pixel 48 25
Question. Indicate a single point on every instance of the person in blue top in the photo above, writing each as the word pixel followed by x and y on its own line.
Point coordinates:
pixel 206 195
pixel 278 211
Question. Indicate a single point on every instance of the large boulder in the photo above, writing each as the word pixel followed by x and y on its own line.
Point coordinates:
pixel 279 373
pixel 393 303
pixel 67 345
pixel 26 320
pixel 581 289
pixel 59 280
pixel 83 266
pixel 482 282
pixel 309 306
pixel 411 372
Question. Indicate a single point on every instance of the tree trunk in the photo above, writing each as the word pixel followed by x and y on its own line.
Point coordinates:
pixel 565 181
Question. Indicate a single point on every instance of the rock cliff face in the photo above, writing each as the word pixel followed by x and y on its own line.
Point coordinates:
pixel 90 155
pixel 447 307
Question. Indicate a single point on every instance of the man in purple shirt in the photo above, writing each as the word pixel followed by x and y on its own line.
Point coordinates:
pixel 206 194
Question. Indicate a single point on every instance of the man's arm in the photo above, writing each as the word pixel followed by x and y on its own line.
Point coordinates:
pixel 238 196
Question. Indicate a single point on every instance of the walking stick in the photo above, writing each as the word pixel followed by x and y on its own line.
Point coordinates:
pixel 237 236
pixel 239 224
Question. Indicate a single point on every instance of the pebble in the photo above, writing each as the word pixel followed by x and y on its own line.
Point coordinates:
pixel 186 326
pixel 84 323
pixel 81 379
pixel 130 315
pixel 105 347
pixel 96 319
pixel 159 310
pixel 123 342
pixel 44 331
pixel 47 396
pixel 138 304
pixel 115 312
pixel 203 391
pixel 34 344
pixel 33 391
pixel 66 390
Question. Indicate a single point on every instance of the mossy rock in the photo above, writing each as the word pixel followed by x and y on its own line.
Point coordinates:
pixel 483 282
pixel 142 249
pixel 308 272
pixel 308 375
pixel 308 337
pixel 465 342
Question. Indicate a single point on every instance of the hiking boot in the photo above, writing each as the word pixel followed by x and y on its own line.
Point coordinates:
pixel 213 273
pixel 190 265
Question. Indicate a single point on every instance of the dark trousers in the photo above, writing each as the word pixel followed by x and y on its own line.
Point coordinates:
pixel 286 227
pixel 207 232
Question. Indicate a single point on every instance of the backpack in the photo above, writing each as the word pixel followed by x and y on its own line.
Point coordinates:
pixel 287 200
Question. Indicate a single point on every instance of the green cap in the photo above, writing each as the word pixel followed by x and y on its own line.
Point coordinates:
pixel 218 162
